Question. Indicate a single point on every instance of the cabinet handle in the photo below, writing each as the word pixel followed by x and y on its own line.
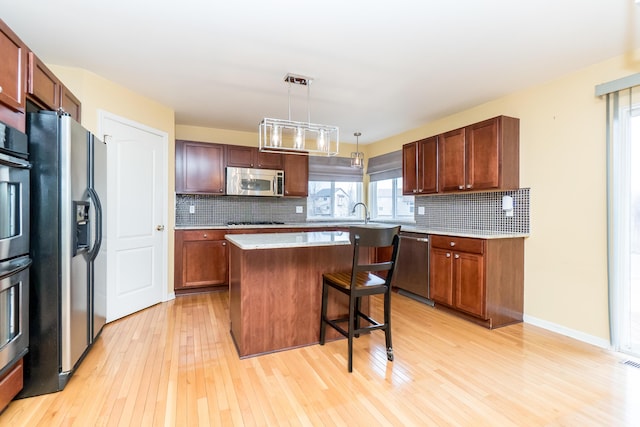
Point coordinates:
pixel 460 187
pixel 452 244
pixel 224 243
pixel 221 191
pixel 0 89
pixel 414 190
pixel 204 235
pixel 469 186
pixel 420 190
pixel 456 256
pixel 448 255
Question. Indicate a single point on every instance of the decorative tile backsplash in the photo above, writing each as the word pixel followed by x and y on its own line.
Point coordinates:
pixel 218 210
pixel 475 212
pixel 469 212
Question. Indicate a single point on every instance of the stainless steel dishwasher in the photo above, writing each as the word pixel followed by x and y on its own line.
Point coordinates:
pixel 411 275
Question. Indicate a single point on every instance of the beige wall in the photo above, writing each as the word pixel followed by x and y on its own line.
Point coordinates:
pixel 96 94
pixel 223 136
pixel 562 160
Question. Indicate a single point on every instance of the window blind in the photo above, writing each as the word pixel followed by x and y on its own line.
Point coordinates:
pixel 385 166
pixel 339 169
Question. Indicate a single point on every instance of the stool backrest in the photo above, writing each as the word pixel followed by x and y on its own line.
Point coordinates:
pixel 374 237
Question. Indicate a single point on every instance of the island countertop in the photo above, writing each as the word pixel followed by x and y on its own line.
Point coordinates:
pixel 289 240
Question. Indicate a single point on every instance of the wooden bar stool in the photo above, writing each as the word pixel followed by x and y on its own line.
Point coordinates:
pixel 360 282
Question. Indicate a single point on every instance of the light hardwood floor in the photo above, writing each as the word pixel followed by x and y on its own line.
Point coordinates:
pixel 174 364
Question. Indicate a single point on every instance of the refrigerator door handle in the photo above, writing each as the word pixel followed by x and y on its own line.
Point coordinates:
pixel 93 252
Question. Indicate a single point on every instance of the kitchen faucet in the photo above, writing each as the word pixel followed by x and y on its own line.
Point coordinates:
pixel 366 211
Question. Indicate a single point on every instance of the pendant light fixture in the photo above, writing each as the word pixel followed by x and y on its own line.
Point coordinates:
pixel 279 135
pixel 357 157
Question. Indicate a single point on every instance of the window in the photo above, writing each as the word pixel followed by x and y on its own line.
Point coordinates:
pixel 387 201
pixel 333 199
pixel 385 189
pixel 334 189
pixel 623 145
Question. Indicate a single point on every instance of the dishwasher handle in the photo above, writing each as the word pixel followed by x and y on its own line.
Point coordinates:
pixel 417 239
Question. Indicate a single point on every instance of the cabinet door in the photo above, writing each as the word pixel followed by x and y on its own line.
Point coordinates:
pixel 483 155
pixel 240 157
pixel 441 277
pixel 199 167
pixel 13 69
pixel 69 103
pixel 266 160
pixel 428 165
pixel 469 283
pixel 43 85
pixel 409 169
pixel 451 160
pixel 296 175
pixel 204 263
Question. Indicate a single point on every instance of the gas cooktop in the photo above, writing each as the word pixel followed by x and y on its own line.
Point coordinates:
pixel 255 223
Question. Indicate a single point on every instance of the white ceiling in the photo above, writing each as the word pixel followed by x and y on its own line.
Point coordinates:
pixel 379 67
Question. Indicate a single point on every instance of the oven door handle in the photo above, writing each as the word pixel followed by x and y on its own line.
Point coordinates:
pixel 14 162
pixel 9 268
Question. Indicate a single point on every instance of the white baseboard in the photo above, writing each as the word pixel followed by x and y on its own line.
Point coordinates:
pixel 562 330
pixel 170 296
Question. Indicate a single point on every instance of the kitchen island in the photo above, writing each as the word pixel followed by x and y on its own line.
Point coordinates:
pixel 275 287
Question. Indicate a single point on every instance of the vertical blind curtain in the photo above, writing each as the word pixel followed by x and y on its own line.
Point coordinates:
pixel 620 110
pixel 337 169
pixel 385 166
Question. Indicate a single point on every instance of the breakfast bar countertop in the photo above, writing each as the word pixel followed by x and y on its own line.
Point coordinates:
pixel 289 240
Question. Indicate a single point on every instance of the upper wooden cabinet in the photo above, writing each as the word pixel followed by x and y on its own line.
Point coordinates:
pixel 69 103
pixel 420 167
pixel 46 90
pixel 482 156
pixel 13 77
pixel 200 167
pixel 251 157
pixel 296 175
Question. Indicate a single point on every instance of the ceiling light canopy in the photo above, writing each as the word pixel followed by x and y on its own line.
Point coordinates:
pixel 278 135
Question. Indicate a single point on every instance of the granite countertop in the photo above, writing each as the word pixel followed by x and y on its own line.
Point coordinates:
pixel 477 234
pixel 289 240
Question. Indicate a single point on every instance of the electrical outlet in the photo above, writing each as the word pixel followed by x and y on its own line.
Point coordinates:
pixel 192 209
pixel 299 209
pixel 420 210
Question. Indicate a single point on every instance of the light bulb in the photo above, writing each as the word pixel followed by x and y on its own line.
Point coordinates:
pixel 321 142
pixel 276 136
pixel 298 140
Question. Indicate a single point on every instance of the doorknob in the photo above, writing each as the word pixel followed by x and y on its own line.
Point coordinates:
pixel 159 227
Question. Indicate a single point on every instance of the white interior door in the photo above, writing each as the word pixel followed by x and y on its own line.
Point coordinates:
pixel 136 215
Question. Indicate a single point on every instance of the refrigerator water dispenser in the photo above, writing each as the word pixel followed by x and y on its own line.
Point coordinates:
pixel 81 235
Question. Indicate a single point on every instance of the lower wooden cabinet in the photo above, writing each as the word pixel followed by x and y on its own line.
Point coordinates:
pixel 483 279
pixel 200 260
pixel 202 256
pixel 10 384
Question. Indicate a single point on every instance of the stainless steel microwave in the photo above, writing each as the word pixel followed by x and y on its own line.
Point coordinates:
pixel 255 182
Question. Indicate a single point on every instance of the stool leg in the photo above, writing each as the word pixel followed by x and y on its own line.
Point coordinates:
pixel 357 317
pixel 352 310
pixel 323 312
pixel 387 322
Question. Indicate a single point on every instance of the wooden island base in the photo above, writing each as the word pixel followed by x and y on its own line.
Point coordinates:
pixel 275 295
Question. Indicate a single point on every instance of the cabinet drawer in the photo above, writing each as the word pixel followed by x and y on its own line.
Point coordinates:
pixel 462 244
pixel 188 235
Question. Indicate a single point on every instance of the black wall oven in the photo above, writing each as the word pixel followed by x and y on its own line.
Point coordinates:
pixel 14 246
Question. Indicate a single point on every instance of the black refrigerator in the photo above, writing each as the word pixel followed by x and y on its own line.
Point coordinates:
pixel 68 276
